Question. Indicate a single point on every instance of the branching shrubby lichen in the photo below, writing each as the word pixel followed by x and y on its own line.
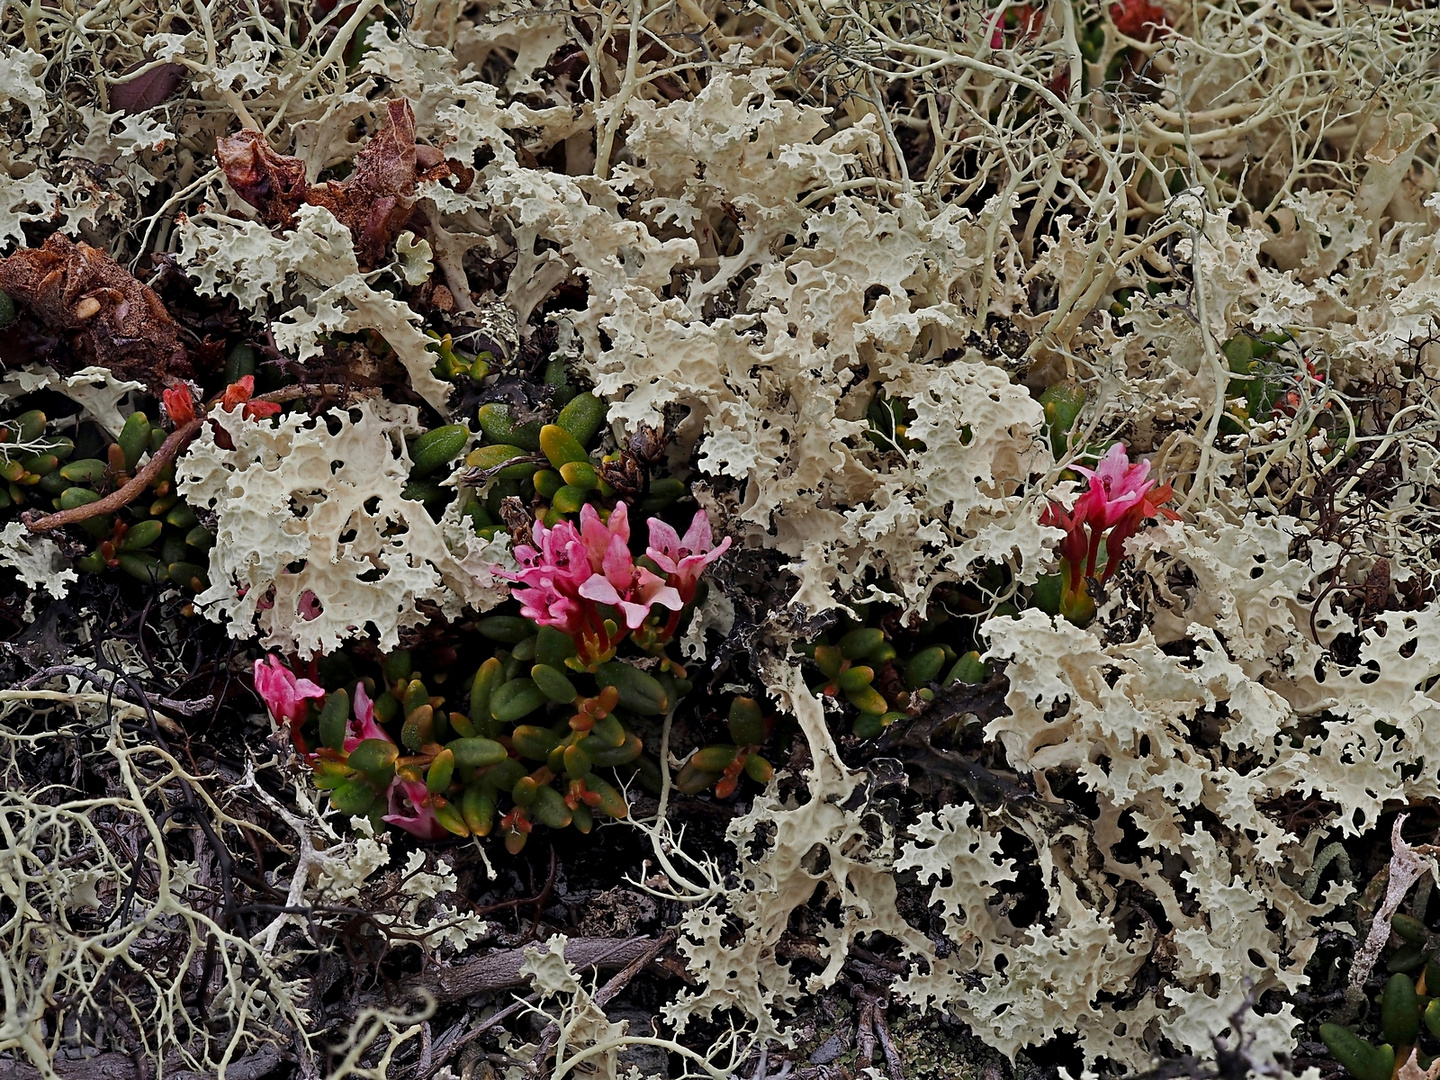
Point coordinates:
pixel 107 935
pixel 112 941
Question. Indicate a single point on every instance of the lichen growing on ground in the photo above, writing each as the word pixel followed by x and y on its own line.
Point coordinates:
pixel 940 499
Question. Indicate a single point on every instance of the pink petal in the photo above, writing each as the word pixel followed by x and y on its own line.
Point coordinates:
pixel 618 565
pixel 668 597
pixel 599 589
pixel 421 822
pixel 597 535
pixel 697 537
pixel 309 608
pixel 304 688
pixel 648 591
pixel 364 707
pixel 635 614
pixel 363 726
pixel 619 523
pixel 664 542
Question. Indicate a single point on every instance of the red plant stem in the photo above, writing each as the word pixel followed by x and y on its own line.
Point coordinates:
pixel 123 496
pixel 1093 554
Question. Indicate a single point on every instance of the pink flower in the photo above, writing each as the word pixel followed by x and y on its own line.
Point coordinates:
pixel 421 820
pixel 363 726
pixel 551 608
pixel 618 581
pixel 684 560
pixel 1120 496
pixel 553 572
pixel 646 590
pixel 552 575
pixel 570 572
pixel 612 566
pixel 602 538
pixel 1115 486
pixel 284 695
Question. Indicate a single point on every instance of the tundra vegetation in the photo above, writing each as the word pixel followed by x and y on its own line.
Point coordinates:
pixel 719 539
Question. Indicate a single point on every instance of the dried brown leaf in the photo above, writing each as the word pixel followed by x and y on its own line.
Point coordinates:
pixel 147 90
pixel 375 202
pixel 272 183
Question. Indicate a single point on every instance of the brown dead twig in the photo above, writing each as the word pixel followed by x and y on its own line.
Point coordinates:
pixel 123 496
pixel 118 1066
pixel 605 994
pixel 116 685
pixel 585 951
pixel 501 970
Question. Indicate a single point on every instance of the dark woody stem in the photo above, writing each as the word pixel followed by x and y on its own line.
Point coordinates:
pixel 123 496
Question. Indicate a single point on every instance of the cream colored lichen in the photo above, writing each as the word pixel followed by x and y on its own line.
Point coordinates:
pixel 307 519
pixel 761 249
pixel 314 269
pixel 37 561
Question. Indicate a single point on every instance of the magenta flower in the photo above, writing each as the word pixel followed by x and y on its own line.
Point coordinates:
pixel 552 573
pixel 1115 486
pixel 363 726
pixel 604 538
pixel 612 565
pixel 683 561
pixel 421 820
pixel 1120 496
pixel 284 695
pixel 570 575
pixel 619 582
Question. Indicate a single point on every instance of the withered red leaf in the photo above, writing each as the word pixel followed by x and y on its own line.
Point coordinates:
pixel 272 183
pixel 375 202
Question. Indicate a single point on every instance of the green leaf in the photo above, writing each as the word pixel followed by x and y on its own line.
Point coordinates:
pixel 334 719
pixel 515 699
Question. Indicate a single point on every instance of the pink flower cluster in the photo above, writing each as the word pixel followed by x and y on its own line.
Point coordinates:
pixel 285 696
pixel 578 580
pixel 1120 496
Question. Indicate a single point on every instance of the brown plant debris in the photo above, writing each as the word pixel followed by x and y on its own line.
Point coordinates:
pixel 272 183
pixel 375 202
pixel 108 317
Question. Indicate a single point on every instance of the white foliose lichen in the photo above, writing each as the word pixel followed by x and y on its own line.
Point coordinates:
pixel 37 561
pixel 315 544
pixel 313 275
